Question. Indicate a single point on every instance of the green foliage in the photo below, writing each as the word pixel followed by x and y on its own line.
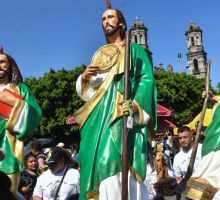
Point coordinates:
pixel 218 87
pixel 57 96
pixel 180 93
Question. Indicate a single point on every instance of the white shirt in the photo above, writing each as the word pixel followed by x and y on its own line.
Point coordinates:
pixel 48 183
pixel 181 161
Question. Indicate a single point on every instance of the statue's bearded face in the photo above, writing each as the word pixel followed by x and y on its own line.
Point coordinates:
pixel 4 66
pixel 110 22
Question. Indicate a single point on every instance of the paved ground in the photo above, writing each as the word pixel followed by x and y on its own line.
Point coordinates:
pixel 170 198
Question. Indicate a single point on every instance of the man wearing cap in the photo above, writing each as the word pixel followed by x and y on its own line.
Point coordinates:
pixel 59 181
pixel 101 118
pixel 20 114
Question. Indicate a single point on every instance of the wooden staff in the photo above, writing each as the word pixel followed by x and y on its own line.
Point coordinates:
pixel 125 129
pixel 198 129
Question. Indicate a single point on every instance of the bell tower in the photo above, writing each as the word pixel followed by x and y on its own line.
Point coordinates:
pixel 139 35
pixel 196 56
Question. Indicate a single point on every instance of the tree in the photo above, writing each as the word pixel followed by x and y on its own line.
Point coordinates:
pixel 218 87
pixel 180 93
pixel 58 99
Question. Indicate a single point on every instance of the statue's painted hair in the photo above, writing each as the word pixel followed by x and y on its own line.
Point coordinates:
pixel 15 76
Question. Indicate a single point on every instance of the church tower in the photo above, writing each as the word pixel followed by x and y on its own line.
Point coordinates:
pixel 196 56
pixel 139 35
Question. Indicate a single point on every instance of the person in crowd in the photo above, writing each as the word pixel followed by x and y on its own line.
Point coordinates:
pixel 36 147
pixel 170 148
pixel 5 186
pixel 37 150
pixel 75 154
pixel 202 134
pixel 60 181
pixel 181 159
pixel 28 176
pixel 101 118
pixel 20 115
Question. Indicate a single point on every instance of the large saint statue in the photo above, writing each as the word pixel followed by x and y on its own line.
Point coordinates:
pixel 101 118
pixel 20 114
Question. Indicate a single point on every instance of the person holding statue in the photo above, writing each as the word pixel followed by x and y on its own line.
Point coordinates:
pixel 101 118
pixel 20 114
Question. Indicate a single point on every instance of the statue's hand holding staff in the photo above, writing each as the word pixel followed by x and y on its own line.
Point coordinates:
pixel 128 107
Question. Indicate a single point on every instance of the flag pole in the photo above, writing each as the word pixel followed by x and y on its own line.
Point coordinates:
pixel 198 129
pixel 125 129
pixel 182 185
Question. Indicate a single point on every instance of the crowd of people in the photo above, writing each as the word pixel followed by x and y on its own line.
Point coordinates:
pixel 53 173
pixel 176 152
pixel 57 178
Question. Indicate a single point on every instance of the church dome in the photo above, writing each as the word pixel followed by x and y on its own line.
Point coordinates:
pixel 137 23
pixel 193 27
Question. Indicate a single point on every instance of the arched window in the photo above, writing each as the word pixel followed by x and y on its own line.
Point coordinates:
pixel 198 40
pixel 192 41
pixel 141 38
pixel 196 66
pixel 135 39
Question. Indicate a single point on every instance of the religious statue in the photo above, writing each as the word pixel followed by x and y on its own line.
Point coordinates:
pixel 20 114
pixel 101 118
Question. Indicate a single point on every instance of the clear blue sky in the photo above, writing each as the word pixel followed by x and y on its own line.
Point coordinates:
pixel 46 34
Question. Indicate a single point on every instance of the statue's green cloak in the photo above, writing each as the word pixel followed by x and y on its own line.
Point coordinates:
pixel 24 118
pixel 101 135
pixel 212 134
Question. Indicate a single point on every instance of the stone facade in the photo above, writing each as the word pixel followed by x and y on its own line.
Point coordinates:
pixel 139 35
pixel 196 56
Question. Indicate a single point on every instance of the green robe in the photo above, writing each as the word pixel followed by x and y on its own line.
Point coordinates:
pixel 101 138
pixel 212 134
pixel 23 120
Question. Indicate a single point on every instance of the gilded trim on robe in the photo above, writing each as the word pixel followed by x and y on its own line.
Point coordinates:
pixel 219 99
pixel 117 110
pixel 14 88
pixel 120 68
pixel 17 145
pixel 141 115
pixel 92 195
pixel 15 114
pixel 82 113
pixel 84 86
pixel 136 176
pixel 14 182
